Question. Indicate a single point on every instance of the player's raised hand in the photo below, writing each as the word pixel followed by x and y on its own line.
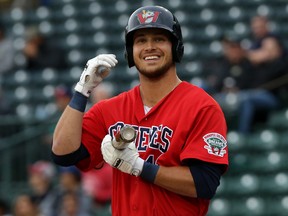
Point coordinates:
pixel 94 72
pixel 126 160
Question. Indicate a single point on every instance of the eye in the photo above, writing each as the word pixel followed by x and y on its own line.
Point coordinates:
pixel 160 39
pixel 139 40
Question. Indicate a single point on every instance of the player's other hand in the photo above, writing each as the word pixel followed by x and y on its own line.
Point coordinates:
pixel 94 72
pixel 126 160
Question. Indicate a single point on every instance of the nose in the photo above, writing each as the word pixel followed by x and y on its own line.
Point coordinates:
pixel 150 45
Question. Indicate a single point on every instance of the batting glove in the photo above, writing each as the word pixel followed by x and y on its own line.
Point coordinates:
pixel 94 72
pixel 126 160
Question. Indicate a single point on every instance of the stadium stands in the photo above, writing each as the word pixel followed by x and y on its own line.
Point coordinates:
pixel 257 180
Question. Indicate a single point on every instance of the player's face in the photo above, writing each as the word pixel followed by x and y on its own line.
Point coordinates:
pixel 152 52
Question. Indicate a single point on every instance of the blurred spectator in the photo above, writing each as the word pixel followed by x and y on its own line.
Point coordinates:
pixel 266 47
pixel 40 52
pixel 7 51
pixel 103 91
pixel 268 54
pixel 62 96
pixel 234 80
pixel 98 183
pixel 70 182
pixel 231 71
pixel 24 206
pixel 41 176
pixel 71 205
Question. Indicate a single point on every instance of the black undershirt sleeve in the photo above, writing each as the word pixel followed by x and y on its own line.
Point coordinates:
pixel 72 158
pixel 206 177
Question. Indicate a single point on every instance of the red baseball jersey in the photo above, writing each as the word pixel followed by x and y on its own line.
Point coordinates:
pixel 186 124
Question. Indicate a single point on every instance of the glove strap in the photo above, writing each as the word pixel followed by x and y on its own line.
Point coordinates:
pixel 78 102
pixel 149 172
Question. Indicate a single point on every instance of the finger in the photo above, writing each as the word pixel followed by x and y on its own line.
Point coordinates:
pixel 110 59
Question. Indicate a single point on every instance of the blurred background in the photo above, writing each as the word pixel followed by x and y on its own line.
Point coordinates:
pixel 44 45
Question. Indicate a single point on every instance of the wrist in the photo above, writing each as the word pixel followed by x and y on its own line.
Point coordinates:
pixel 138 167
pixel 78 102
pixel 149 172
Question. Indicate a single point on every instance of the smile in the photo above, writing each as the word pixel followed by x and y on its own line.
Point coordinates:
pixel 151 57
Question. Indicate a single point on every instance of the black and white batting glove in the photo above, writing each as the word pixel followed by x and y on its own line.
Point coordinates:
pixel 126 160
pixel 94 72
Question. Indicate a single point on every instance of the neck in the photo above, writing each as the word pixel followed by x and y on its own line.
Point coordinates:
pixel 152 91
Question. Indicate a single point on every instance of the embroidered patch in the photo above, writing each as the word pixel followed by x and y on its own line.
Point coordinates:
pixel 147 17
pixel 216 144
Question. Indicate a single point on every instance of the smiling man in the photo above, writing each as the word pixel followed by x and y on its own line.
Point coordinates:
pixel 175 164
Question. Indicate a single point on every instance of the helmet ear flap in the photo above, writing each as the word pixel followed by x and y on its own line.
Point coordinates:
pixel 128 53
pixel 178 47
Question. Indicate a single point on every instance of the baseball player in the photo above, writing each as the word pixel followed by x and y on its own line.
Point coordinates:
pixel 174 165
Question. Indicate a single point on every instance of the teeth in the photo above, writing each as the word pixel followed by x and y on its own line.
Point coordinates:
pixel 151 57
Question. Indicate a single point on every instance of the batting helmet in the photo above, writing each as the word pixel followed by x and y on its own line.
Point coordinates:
pixel 153 17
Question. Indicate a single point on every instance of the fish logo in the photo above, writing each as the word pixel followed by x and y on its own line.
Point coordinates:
pixel 147 17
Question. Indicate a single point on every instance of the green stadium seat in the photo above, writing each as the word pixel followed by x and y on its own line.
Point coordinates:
pixel 278 120
pixel 236 141
pixel 284 140
pixel 252 205
pixel 267 162
pixel 263 140
pixel 220 207
pixel 278 205
pixel 275 184
pixel 242 185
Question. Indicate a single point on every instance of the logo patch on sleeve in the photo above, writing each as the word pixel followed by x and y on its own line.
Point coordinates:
pixel 216 144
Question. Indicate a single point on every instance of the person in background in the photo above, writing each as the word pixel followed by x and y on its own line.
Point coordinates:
pixel 62 96
pixel 269 56
pixel 234 82
pixel 41 176
pixel 267 47
pixel 104 91
pixel 70 205
pixel 231 71
pixel 70 182
pixel 25 206
pixel 42 53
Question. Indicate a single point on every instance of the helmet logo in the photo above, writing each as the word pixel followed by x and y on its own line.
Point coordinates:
pixel 148 16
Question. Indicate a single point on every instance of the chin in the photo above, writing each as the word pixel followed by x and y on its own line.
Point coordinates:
pixel 153 72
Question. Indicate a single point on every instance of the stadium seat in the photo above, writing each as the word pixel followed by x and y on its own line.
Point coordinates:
pixel 277 205
pixel 220 207
pixel 263 140
pixel 236 141
pixel 274 184
pixel 245 184
pixel 278 119
pixel 252 205
pixel 267 162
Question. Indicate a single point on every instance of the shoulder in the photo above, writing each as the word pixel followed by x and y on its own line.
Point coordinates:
pixel 194 99
pixel 194 94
